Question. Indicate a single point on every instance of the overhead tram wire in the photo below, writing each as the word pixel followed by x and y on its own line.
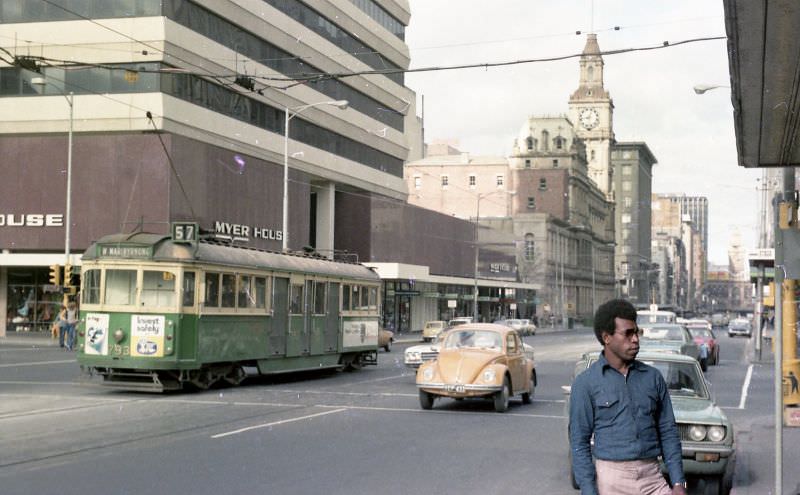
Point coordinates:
pixel 171 163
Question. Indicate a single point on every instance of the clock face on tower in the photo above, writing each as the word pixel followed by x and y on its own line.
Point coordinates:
pixel 589 118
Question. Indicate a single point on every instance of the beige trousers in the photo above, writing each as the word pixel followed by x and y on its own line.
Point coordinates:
pixel 642 477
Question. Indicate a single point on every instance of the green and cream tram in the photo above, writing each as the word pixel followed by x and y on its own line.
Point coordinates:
pixel 157 314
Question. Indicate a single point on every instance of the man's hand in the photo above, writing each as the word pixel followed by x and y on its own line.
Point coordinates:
pixel 679 490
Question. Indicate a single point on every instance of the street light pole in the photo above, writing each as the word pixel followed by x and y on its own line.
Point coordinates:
pixel 289 114
pixel 41 81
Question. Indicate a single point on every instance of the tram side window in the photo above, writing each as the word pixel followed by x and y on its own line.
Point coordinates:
pixel 212 290
pixel 260 286
pixel 319 297
pixel 188 288
pixel 245 298
pixel 228 290
pixel 373 298
pixel 346 297
pixel 296 300
pixel 120 287
pixel 91 287
pixel 158 288
pixel 364 298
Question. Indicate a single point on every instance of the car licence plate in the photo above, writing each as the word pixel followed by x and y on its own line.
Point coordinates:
pixel 455 388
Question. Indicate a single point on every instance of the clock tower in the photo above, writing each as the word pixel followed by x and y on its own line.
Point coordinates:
pixel 591 111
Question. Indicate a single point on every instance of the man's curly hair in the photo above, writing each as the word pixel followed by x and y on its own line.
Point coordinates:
pixel 604 318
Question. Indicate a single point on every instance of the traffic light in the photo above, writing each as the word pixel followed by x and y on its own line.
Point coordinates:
pixel 55 274
pixel 68 275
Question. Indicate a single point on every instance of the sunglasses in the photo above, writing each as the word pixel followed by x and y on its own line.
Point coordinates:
pixel 629 333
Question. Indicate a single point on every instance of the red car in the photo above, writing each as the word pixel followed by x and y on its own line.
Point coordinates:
pixel 701 334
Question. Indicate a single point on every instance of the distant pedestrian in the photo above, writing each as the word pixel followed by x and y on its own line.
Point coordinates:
pixel 72 320
pixel 625 405
pixel 61 324
pixel 793 381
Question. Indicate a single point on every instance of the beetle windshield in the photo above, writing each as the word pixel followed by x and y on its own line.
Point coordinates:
pixel 481 339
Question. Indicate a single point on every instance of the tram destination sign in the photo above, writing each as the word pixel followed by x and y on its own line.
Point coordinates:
pixel 123 251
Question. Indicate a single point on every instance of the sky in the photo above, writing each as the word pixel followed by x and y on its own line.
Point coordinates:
pixel 691 136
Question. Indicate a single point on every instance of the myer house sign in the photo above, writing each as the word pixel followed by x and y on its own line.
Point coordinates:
pixel 239 232
pixel 31 220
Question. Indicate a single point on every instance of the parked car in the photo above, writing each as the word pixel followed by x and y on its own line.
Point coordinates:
pixel 385 339
pixel 523 326
pixel 432 329
pixel 478 360
pixel 719 319
pixel 707 435
pixel 668 338
pixel 704 336
pixel 740 326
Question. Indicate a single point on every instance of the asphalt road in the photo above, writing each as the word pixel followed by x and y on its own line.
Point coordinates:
pixel 333 433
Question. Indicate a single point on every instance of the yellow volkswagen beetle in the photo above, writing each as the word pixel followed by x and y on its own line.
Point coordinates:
pixel 479 360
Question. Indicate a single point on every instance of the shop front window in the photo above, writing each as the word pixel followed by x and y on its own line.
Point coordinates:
pixel 32 303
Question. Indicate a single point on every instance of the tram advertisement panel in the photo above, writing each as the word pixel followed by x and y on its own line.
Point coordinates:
pixel 147 336
pixel 360 334
pixel 96 334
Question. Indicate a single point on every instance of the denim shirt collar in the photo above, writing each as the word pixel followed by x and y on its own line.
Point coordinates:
pixel 604 364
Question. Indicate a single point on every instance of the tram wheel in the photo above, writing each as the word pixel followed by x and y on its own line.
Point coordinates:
pixel 235 375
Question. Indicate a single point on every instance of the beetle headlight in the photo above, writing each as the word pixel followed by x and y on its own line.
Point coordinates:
pixel 488 375
pixel 428 373
pixel 697 432
pixel 716 433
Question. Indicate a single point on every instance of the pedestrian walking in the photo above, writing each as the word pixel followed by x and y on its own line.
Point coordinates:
pixel 72 320
pixel 625 404
pixel 61 325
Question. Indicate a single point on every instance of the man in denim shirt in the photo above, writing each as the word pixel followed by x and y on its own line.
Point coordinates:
pixel 624 403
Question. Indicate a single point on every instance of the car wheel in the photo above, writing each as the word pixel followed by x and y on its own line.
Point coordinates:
pixel 527 397
pixel 388 346
pixel 712 485
pixel 716 357
pixel 425 400
pixel 501 397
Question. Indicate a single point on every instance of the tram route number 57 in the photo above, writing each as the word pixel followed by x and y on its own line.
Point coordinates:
pixel 185 232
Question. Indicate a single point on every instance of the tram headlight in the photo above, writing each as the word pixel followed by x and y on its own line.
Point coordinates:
pixel 119 335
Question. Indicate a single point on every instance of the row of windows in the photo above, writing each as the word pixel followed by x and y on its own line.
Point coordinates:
pixel 92 80
pixel 532 144
pixel 228 34
pixel 336 35
pixel 528 163
pixel 383 17
pixel 221 290
pixel 499 181
pixel 232 36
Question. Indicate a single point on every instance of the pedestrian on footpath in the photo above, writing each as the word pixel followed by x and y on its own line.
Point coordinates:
pixel 72 321
pixel 625 404
pixel 61 324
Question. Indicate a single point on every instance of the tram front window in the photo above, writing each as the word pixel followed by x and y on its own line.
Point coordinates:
pixel 120 287
pixel 158 288
pixel 91 287
pixel 188 288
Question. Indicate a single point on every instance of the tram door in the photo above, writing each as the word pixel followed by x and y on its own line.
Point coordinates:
pixel 332 319
pixel 280 317
pixel 297 337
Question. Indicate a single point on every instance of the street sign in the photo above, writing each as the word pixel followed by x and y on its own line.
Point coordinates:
pixel 452 303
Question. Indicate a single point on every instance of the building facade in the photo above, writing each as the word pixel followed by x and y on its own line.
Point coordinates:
pixel 177 116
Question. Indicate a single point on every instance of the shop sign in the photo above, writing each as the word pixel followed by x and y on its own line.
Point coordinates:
pixel 31 220
pixel 431 294
pixel 451 296
pixel 485 299
pixel 452 303
pixel 406 292
pixel 239 232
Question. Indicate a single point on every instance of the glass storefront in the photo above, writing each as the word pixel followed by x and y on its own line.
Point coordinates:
pixel 32 303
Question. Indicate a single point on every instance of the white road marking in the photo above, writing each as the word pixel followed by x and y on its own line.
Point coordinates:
pixel 275 423
pixel 746 386
pixel 38 363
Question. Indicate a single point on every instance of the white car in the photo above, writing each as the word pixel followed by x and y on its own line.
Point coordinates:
pixel 523 326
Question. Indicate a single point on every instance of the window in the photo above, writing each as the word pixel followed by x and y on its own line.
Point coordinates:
pixel 627 201
pixel 531 203
pixel 158 288
pixel 500 179
pixel 529 247
pixel 555 162
pixel 120 287
pixel 545 140
pixel 511 344
pixel 626 218
pixel 373 298
pixel 346 293
pixel 626 170
pixel 625 234
pixel 91 287
pixel 527 164
pixel 559 143
pixel 296 299
pixel 531 143
pixel 245 297
pixel 445 181
pixel 187 298
pixel 212 290
pixel 626 185
pixel 591 155
pixel 228 290
pixel 472 181
pixel 319 297
pixel 260 289
pixel 417 182
pixel 542 184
